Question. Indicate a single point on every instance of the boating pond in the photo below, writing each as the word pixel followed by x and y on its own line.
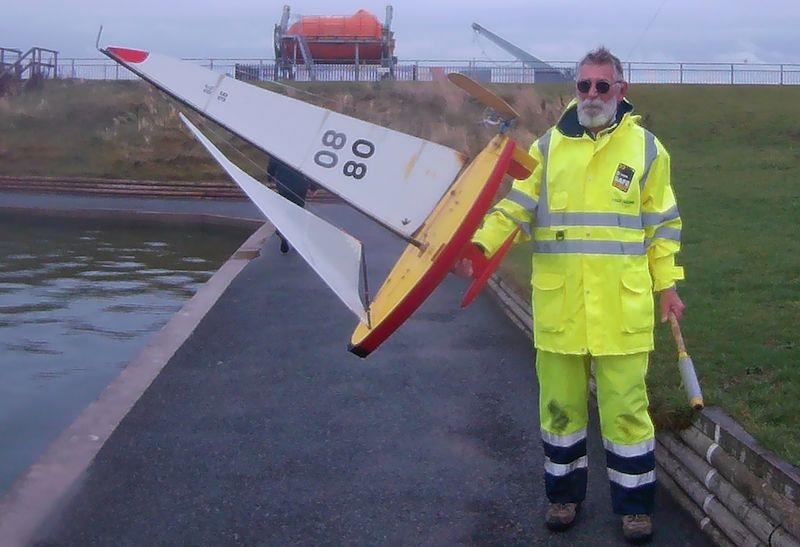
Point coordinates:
pixel 78 299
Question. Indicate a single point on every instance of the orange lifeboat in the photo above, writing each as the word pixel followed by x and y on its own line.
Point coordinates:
pixel 335 38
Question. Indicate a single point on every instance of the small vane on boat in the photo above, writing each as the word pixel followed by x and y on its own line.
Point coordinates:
pixel 498 112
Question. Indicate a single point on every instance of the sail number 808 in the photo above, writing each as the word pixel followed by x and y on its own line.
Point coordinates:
pixel 328 159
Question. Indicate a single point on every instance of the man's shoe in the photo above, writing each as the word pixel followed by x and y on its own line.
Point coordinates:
pixel 637 528
pixel 284 246
pixel 560 516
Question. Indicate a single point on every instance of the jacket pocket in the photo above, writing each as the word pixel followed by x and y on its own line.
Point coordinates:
pixel 558 201
pixel 548 302
pixel 636 296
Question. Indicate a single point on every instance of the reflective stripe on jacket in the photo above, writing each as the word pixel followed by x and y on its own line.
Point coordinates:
pixel 605 225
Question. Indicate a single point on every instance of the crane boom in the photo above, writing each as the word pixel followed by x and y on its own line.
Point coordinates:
pixel 543 72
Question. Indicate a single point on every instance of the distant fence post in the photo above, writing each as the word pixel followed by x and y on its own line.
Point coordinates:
pixel 211 63
pixel 73 69
pixel 731 73
pixel 781 74
pixel 629 71
pixel 681 72
pixel 357 60
pixel 414 72
pixel 116 72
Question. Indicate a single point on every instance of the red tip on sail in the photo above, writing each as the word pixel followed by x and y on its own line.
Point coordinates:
pixel 128 55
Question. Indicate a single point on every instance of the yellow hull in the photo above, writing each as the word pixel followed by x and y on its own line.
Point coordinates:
pixel 449 227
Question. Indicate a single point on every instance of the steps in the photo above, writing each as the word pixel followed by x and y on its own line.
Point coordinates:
pixel 23 71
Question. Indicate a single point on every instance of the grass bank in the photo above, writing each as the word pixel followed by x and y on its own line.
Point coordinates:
pixel 121 130
pixel 736 171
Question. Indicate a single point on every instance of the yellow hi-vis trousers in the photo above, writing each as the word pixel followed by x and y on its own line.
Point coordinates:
pixel 627 431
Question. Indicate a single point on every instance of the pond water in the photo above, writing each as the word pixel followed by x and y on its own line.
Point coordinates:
pixel 78 300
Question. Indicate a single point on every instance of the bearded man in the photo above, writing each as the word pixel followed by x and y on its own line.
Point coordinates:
pixel 602 215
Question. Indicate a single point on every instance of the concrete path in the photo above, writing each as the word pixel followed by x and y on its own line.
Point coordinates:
pixel 263 429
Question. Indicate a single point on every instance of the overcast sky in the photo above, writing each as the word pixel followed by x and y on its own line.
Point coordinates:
pixel 683 30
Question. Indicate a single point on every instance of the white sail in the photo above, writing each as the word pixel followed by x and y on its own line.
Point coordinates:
pixel 395 178
pixel 337 257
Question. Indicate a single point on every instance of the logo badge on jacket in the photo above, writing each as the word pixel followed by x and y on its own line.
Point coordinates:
pixel 623 177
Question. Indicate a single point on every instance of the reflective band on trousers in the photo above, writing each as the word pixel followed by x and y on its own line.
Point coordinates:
pixel 630 450
pixel 611 220
pixel 563 441
pixel 524 226
pixel 631 481
pixel 561 469
pixel 523 200
pixel 580 246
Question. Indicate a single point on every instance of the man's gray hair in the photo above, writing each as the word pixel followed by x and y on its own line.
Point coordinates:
pixel 602 56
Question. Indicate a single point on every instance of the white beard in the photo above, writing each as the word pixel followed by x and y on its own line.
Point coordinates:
pixel 596 113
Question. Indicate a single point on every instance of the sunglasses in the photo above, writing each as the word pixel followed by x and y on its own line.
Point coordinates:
pixel 602 86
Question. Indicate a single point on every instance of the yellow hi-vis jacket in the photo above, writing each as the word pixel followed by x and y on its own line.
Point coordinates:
pixel 605 226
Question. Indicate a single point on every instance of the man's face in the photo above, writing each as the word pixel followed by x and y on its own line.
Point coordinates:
pixel 596 109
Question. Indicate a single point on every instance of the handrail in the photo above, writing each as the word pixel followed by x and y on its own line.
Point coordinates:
pixel 637 72
pixel 35 62
pixel 6 51
pixel 637 65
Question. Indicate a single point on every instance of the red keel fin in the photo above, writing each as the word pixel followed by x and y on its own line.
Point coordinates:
pixel 491 265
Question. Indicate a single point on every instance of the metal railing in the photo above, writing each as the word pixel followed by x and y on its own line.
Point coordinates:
pixel 36 62
pixel 432 70
pixel 9 56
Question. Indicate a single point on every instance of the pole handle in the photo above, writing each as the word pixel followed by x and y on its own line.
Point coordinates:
pixel 676 333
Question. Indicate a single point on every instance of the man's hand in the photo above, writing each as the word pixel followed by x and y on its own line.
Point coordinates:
pixel 670 302
pixel 463 268
pixel 470 261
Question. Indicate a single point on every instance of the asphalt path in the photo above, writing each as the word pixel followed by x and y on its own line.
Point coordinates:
pixel 263 429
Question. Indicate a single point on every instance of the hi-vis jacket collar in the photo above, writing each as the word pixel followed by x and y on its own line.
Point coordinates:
pixel 569 126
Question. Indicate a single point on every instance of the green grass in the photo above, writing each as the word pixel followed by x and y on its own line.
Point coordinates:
pixel 736 171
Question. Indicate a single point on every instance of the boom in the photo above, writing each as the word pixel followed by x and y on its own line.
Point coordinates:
pixel 543 72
